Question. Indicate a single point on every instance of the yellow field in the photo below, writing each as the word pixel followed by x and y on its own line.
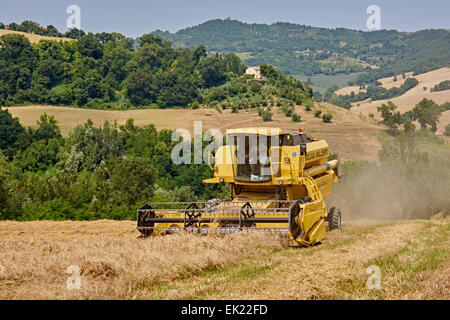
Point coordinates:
pixel 352 136
pixel 34 38
pixel 413 257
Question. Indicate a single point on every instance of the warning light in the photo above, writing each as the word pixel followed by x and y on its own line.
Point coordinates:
pixel 300 130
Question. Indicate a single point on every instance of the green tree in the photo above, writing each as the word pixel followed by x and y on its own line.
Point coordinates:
pixel 89 146
pixel 90 46
pixel 47 128
pixel 427 112
pixel 391 118
pixel 11 133
pixel 212 71
pixel 268 71
pixel 233 64
pixel 39 155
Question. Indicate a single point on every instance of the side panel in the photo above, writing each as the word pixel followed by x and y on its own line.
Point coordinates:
pixel 312 222
pixel 224 162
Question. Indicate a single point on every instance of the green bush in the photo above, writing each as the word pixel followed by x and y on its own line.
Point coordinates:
pixel 56 209
pixel 327 117
pixel 266 115
pixel 295 117
pixel 194 105
pixel 317 113
pixel 288 112
pixel 447 130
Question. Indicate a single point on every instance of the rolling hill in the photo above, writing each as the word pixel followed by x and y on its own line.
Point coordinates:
pixel 300 49
pixel 409 99
pixel 352 136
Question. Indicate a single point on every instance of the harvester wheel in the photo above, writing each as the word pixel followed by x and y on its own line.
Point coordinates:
pixel 334 218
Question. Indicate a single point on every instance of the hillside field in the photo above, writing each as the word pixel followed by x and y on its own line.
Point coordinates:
pixel 409 99
pixel 34 38
pixel 351 135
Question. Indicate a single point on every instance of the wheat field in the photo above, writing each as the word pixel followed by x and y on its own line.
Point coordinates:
pixel 34 38
pixel 349 134
pixel 114 264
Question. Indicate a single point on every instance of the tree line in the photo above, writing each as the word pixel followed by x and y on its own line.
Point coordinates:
pixel 93 173
pixel 49 31
pixel 108 72
pixel 377 92
pixel 111 71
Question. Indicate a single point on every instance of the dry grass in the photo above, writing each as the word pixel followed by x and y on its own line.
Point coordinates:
pixel 413 257
pixel 348 90
pixel 34 38
pixel 350 135
pixel 113 262
pixel 334 270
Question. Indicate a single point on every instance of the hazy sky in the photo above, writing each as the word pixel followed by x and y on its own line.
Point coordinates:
pixel 136 17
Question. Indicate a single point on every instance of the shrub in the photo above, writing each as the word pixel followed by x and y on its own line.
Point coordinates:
pixel 447 130
pixel 327 117
pixel 56 209
pixel 309 105
pixel 317 113
pixel 195 105
pixel 288 112
pixel 266 115
pixel 295 117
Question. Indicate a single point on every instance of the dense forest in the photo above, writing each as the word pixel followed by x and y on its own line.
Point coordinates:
pixel 299 49
pixel 94 173
pixel 111 71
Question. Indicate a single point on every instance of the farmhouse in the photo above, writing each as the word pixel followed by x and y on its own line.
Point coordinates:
pixel 255 71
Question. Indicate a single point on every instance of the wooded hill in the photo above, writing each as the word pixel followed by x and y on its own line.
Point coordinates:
pixel 299 49
pixel 111 71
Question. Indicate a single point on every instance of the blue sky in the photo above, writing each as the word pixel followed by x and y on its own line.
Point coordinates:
pixel 136 17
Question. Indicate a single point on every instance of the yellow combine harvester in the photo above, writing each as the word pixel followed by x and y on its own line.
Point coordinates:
pixel 278 181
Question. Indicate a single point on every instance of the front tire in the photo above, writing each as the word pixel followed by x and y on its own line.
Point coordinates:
pixel 334 218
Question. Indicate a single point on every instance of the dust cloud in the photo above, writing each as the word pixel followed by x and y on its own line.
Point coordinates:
pixel 392 191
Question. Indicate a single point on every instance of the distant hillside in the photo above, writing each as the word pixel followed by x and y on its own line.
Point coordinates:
pixel 298 49
pixel 410 98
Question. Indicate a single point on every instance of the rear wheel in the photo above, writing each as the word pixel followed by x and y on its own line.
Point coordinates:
pixel 334 218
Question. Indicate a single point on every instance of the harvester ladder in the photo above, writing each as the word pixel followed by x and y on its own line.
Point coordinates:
pixel 313 189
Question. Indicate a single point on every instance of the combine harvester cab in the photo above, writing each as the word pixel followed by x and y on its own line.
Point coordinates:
pixel 278 181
